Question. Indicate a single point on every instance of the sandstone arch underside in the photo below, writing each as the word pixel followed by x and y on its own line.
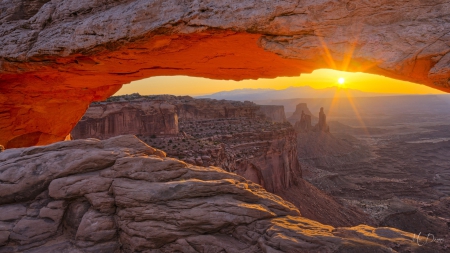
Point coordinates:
pixel 58 56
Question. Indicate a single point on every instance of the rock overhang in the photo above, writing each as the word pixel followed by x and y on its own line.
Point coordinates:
pixel 70 53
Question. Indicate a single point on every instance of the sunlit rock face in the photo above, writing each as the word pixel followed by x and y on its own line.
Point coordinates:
pixel 58 56
pixel 120 195
pixel 106 120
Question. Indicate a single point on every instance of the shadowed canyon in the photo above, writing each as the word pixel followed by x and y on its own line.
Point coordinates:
pixel 81 171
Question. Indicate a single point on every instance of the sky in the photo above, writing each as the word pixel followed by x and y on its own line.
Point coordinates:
pixel 319 79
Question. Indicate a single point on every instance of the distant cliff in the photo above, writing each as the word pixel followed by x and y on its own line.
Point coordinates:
pixel 273 112
pixel 299 109
pixel 303 120
pixel 105 120
pixel 189 108
pixel 159 115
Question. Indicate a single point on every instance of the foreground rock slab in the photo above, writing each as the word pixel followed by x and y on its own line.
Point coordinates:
pixel 121 195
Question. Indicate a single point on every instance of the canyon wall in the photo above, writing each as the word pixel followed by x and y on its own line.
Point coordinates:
pixel 267 152
pixel 276 169
pixel 199 109
pixel 268 158
pixel 59 56
pixel 106 120
pixel 75 196
pixel 159 115
pixel 234 136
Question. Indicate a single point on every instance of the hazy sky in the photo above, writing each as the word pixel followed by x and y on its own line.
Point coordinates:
pixel 194 86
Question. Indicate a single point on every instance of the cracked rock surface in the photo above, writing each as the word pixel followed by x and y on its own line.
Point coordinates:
pixel 120 195
pixel 58 56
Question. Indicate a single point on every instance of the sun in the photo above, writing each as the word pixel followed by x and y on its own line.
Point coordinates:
pixel 341 81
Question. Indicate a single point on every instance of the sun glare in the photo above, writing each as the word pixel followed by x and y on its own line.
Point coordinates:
pixel 319 79
pixel 341 81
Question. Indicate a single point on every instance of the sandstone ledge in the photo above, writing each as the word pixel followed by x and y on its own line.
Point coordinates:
pixel 120 195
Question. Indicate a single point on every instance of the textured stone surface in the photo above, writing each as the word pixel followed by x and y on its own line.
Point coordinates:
pixel 159 204
pixel 239 137
pixel 103 121
pixel 58 56
pixel 160 115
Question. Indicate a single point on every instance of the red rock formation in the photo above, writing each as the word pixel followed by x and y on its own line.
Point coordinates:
pixel 300 109
pixel 106 120
pixel 273 164
pixel 34 103
pixel 191 109
pixel 56 58
pixel 159 115
pixel 304 124
pixel 322 125
pixel 235 136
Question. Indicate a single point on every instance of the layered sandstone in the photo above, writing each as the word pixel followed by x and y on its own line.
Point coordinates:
pixel 59 56
pixel 235 136
pixel 159 115
pixel 106 120
pixel 262 152
pixel 240 137
pixel 120 195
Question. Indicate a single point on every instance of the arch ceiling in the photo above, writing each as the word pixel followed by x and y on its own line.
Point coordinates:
pixel 56 57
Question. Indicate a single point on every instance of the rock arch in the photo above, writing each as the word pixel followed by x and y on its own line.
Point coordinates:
pixel 58 56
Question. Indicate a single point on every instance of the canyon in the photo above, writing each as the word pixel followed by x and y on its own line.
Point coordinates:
pixel 121 195
pixel 58 57
pixel 239 137
pixel 393 165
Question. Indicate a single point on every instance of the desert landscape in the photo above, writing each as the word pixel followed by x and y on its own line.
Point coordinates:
pixel 294 126
pixel 395 168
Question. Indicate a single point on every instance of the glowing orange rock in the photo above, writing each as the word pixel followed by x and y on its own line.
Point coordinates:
pixel 57 57
pixel 43 105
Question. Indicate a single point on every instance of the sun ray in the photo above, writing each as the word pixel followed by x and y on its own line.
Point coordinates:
pixel 348 55
pixel 355 110
pixel 328 58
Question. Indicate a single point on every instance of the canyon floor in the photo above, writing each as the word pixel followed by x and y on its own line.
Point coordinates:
pixel 396 168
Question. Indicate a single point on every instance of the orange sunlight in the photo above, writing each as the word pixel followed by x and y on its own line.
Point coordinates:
pixel 319 79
